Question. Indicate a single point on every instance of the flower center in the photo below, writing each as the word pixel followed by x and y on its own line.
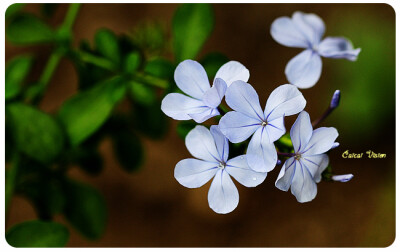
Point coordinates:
pixel 297 156
pixel 221 165
pixel 264 124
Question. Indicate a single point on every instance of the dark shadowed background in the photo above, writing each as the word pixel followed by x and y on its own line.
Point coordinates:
pixel 150 208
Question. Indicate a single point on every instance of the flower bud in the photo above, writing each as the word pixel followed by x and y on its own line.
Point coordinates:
pixel 342 178
pixel 335 99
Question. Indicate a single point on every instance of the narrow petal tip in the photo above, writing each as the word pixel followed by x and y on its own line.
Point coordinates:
pixel 342 178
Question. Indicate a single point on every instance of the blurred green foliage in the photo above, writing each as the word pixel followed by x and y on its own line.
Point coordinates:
pixel 37 234
pixel 132 68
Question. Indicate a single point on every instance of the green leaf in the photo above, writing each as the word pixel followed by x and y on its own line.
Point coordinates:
pixel 141 93
pixel 160 68
pixel 107 44
pixel 184 127
pixel 13 9
pixel 150 120
pixel 35 133
pixel 85 112
pixel 85 209
pixel 48 9
pixel 28 29
pixel 16 71
pixel 191 26
pixel 212 62
pixel 37 234
pixel 128 150
pixel 132 62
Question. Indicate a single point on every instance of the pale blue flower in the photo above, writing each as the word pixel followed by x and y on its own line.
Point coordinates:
pixel 266 126
pixel 202 100
pixel 211 148
pixel 305 31
pixel 303 170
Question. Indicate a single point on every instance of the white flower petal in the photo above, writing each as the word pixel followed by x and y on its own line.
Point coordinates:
pixel 191 78
pixel 237 127
pixel 179 106
pixel 261 153
pixel 285 176
pixel 221 142
pixel 204 114
pixel 201 144
pixel 239 169
pixel 338 48
pixel 301 131
pixel 310 25
pixel 275 129
pixel 213 96
pixel 286 33
pixel 323 164
pixel 304 69
pixel 284 100
pixel 303 185
pixel 321 141
pixel 242 98
pixel 223 196
pixel 342 178
pixel 194 173
pixel 233 71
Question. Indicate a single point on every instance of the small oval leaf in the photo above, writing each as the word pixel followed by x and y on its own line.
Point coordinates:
pixel 37 233
pixel 28 29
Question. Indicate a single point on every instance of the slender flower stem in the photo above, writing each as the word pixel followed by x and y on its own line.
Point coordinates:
pixel 150 80
pixel 285 154
pixel 327 112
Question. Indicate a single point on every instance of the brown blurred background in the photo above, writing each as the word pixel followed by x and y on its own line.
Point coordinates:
pixel 150 208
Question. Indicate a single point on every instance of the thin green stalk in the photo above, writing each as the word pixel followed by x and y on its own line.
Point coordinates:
pixel 37 91
pixel 98 61
pixel 150 80
pixel 11 178
pixel 71 16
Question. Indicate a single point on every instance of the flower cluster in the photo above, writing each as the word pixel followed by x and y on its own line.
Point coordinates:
pixel 304 165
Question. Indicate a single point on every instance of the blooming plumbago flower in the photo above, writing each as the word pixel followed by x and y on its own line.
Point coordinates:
pixel 212 149
pixel 303 170
pixel 305 31
pixel 203 100
pixel 266 126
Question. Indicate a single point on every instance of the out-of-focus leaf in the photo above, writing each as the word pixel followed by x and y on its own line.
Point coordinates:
pixel 150 37
pixel 128 150
pixel 89 74
pixel 184 127
pixel 13 9
pixel 88 158
pixel 37 234
pixel 28 29
pixel 327 174
pixel 48 9
pixel 107 45
pixel 191 26
pixel 132 62
pixel 35 133
pixel 160 68
pixel 212 62
pixel 150 120
pixel 141 93
pixel 16 71
pixel 45 192
pixel 85 209
pixel 85 112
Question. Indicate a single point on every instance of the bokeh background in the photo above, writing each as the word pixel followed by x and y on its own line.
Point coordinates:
pixel 150 208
